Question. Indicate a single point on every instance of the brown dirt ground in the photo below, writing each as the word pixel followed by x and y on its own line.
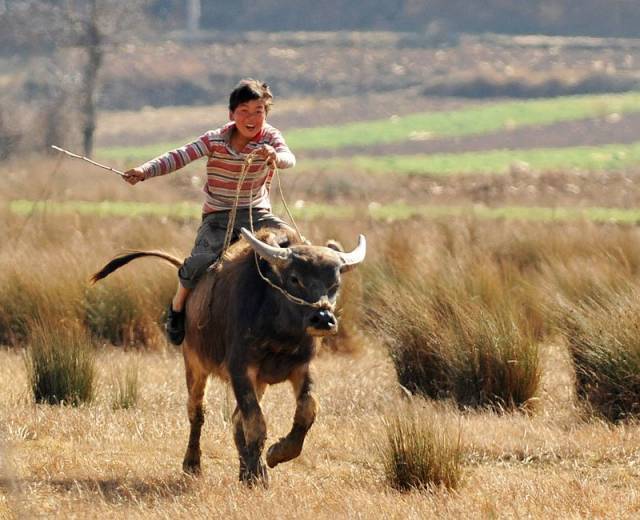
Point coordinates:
pixel 550 189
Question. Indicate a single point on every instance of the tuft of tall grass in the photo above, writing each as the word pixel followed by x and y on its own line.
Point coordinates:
pixel 29 292
pixel 126 309
pixel 460 330
pixel 421 451
pixel 125 312
pixel 60 364
pixel 18 305
pixel 498 360
pixel 125 389
pixel 603 335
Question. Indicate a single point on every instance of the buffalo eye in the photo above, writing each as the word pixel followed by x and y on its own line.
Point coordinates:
pixel 295 280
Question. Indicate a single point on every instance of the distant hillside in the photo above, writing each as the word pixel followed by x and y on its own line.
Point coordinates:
pixel 619 18
pixel 360 62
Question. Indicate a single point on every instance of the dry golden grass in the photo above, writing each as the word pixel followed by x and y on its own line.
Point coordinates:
pixel 126 463
pixel 57 177
pixel 92 460
pixel 46 270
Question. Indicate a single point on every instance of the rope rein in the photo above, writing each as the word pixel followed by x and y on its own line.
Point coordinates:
pixel 323 302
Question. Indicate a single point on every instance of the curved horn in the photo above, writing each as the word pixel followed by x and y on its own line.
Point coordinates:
pixel 270 253
pixel 353 258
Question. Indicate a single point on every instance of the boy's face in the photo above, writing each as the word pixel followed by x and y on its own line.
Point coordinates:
pixel 249 117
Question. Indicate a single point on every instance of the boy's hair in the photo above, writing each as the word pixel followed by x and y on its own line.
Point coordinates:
pixel 248 90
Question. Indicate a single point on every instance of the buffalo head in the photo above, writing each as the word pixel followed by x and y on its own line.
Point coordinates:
pixel 311 276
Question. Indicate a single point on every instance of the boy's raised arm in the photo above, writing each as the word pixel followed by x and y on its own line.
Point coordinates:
pixel 284 156
pixel 170 161
pixel 178 158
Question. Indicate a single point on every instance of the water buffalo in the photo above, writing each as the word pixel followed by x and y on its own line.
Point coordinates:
pixel 254 322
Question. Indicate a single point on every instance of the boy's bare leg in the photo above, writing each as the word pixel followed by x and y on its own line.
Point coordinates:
pixel 180 298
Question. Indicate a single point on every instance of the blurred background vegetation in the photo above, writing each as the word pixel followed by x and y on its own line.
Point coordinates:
pixel 65 65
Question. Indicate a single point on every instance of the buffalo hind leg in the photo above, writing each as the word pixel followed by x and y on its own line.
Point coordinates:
pixel 196 385
pixel 289 447
pixel 250 429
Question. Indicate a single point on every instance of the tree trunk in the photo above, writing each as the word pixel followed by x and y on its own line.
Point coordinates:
pixel 93 46
pixel 193 15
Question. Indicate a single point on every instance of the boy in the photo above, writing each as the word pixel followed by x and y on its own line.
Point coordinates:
pixel 226 148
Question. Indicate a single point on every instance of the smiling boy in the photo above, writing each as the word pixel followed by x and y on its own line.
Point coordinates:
pixel 226 149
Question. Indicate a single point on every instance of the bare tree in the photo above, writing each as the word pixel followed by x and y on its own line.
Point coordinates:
pixel 92 43
pixel 48 28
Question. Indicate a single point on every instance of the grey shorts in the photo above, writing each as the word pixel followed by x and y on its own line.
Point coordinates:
pixel 210 239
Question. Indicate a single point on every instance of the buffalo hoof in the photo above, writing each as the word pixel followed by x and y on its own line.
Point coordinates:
pixel 254 474
pixel 282 451
pixel 191 465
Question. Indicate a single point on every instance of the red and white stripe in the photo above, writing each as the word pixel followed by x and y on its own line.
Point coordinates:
pixel 225 165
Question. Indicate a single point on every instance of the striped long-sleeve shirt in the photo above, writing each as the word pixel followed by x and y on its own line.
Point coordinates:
pixel 224 166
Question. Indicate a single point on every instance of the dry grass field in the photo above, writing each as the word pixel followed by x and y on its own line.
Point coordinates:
pixel 76 462
pixel 93 461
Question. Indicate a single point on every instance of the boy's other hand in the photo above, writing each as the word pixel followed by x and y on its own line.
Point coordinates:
pixel 134 175
pixel 268 153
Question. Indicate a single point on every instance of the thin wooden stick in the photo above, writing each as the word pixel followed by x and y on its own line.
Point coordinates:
pixel 118 172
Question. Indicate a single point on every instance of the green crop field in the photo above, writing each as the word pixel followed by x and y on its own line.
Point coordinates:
pixel 469 121
pixel 613 157
pixel 182 210
pixel 396 211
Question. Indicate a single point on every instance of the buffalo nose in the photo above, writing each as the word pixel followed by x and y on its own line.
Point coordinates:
pixel 323 320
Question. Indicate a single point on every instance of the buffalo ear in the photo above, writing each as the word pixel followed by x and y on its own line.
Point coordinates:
pixel 276 240
pixel 283 242
pixel 335 245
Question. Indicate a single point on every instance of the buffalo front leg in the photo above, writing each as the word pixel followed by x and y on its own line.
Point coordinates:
pixel 289 447
pixel 196 385
pixel 250 428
